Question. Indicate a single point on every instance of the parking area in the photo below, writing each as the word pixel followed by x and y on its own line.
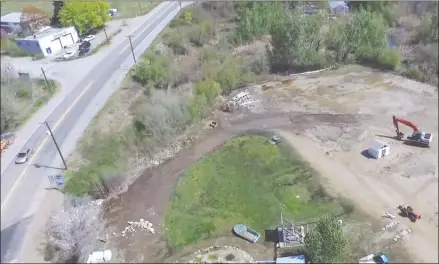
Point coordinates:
pixel 95 40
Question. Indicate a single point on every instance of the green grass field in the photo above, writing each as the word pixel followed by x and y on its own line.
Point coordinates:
pixel 249 181
pixel 127 9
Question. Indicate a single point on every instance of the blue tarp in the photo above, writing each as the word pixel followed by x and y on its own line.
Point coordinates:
pixel 384 259
pixel 292 259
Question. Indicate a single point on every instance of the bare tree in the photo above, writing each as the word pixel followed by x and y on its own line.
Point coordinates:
pixel 73 231
pixel 33 19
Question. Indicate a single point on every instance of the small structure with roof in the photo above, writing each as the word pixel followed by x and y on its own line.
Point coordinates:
pixel 49 40
pixel 338 7
pixel 378 149
pixel 290 234
pixel 17 22
pixel 11 22
pixel 100 256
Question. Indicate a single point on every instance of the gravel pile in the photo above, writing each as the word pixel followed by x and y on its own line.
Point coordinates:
pixel 142 224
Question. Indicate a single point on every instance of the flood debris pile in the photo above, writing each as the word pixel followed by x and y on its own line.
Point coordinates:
pixel 143 225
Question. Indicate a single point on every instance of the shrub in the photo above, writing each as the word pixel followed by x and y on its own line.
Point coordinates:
pixel 201 34
pixel 230 257
pixel 390 59
pixel 197 107
pixel 213 257
pixel 229 75
pixel 159 122
pixel 187 16
pixel 154 69
pixel 258 66
pixel 256 20
pixel 428 30
pixel 326 242
pixel 210 61
pixel 9 47
pixel 104 154
pixel 209 88
pixel 177 43
pixel 413 72
pixel 296 43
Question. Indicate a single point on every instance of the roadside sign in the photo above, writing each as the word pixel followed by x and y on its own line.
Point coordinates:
pixel 51 179
pixel 59 180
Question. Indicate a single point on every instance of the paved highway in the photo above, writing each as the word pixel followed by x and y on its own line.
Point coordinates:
pixel 23 185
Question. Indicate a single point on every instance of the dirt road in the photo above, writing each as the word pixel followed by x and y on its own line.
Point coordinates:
pixel 337 116
pixel 372 197
pixel 156 187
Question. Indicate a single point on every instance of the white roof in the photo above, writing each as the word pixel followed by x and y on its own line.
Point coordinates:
pixel 335 4
pixel 291 259
pixel 14 17
pixel 376 145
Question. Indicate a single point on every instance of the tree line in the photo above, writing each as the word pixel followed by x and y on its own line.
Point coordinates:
pixel 84 16
pixel 306 41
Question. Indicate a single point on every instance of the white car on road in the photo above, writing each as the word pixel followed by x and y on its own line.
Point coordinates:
pixel 68 54
pixel 89 38
pixel 22 157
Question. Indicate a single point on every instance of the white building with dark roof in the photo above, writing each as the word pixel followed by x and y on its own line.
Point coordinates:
pixel 49 41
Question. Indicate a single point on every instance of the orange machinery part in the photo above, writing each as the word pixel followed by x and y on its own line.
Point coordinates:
pixel 4 144
pixel 405 122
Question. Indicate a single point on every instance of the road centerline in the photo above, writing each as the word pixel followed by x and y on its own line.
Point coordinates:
pixel 146 28
pixel 42 145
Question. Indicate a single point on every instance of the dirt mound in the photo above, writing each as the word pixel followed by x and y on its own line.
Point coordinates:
pixel 220 254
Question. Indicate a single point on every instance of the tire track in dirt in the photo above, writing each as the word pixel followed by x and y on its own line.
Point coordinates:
pixel 367 195
pixel 152 191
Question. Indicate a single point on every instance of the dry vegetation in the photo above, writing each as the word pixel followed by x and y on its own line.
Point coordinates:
pixel 213 48
pixel 157 101
pixel 415 34
pixel 21 97
pixel 210 50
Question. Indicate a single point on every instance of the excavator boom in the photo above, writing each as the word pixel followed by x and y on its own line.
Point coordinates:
pixel 417 138
pixel 405 122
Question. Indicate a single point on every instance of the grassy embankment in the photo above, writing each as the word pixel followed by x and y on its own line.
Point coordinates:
pixel 21 99
pixel 249 181
pixel 140 119
pixel 126 9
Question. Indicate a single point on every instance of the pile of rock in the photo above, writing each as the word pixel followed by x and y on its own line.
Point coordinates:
pixel 142 224
pixel 201 255
pixel 97 202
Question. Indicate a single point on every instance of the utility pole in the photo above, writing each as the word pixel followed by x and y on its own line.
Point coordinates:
pixel 180 3
pixel 106 36
pixel 132 49
pixel 45 78
pixel 56 144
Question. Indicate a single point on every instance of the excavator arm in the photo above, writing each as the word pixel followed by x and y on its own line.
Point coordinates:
pixel 418 137
pixel 396 120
